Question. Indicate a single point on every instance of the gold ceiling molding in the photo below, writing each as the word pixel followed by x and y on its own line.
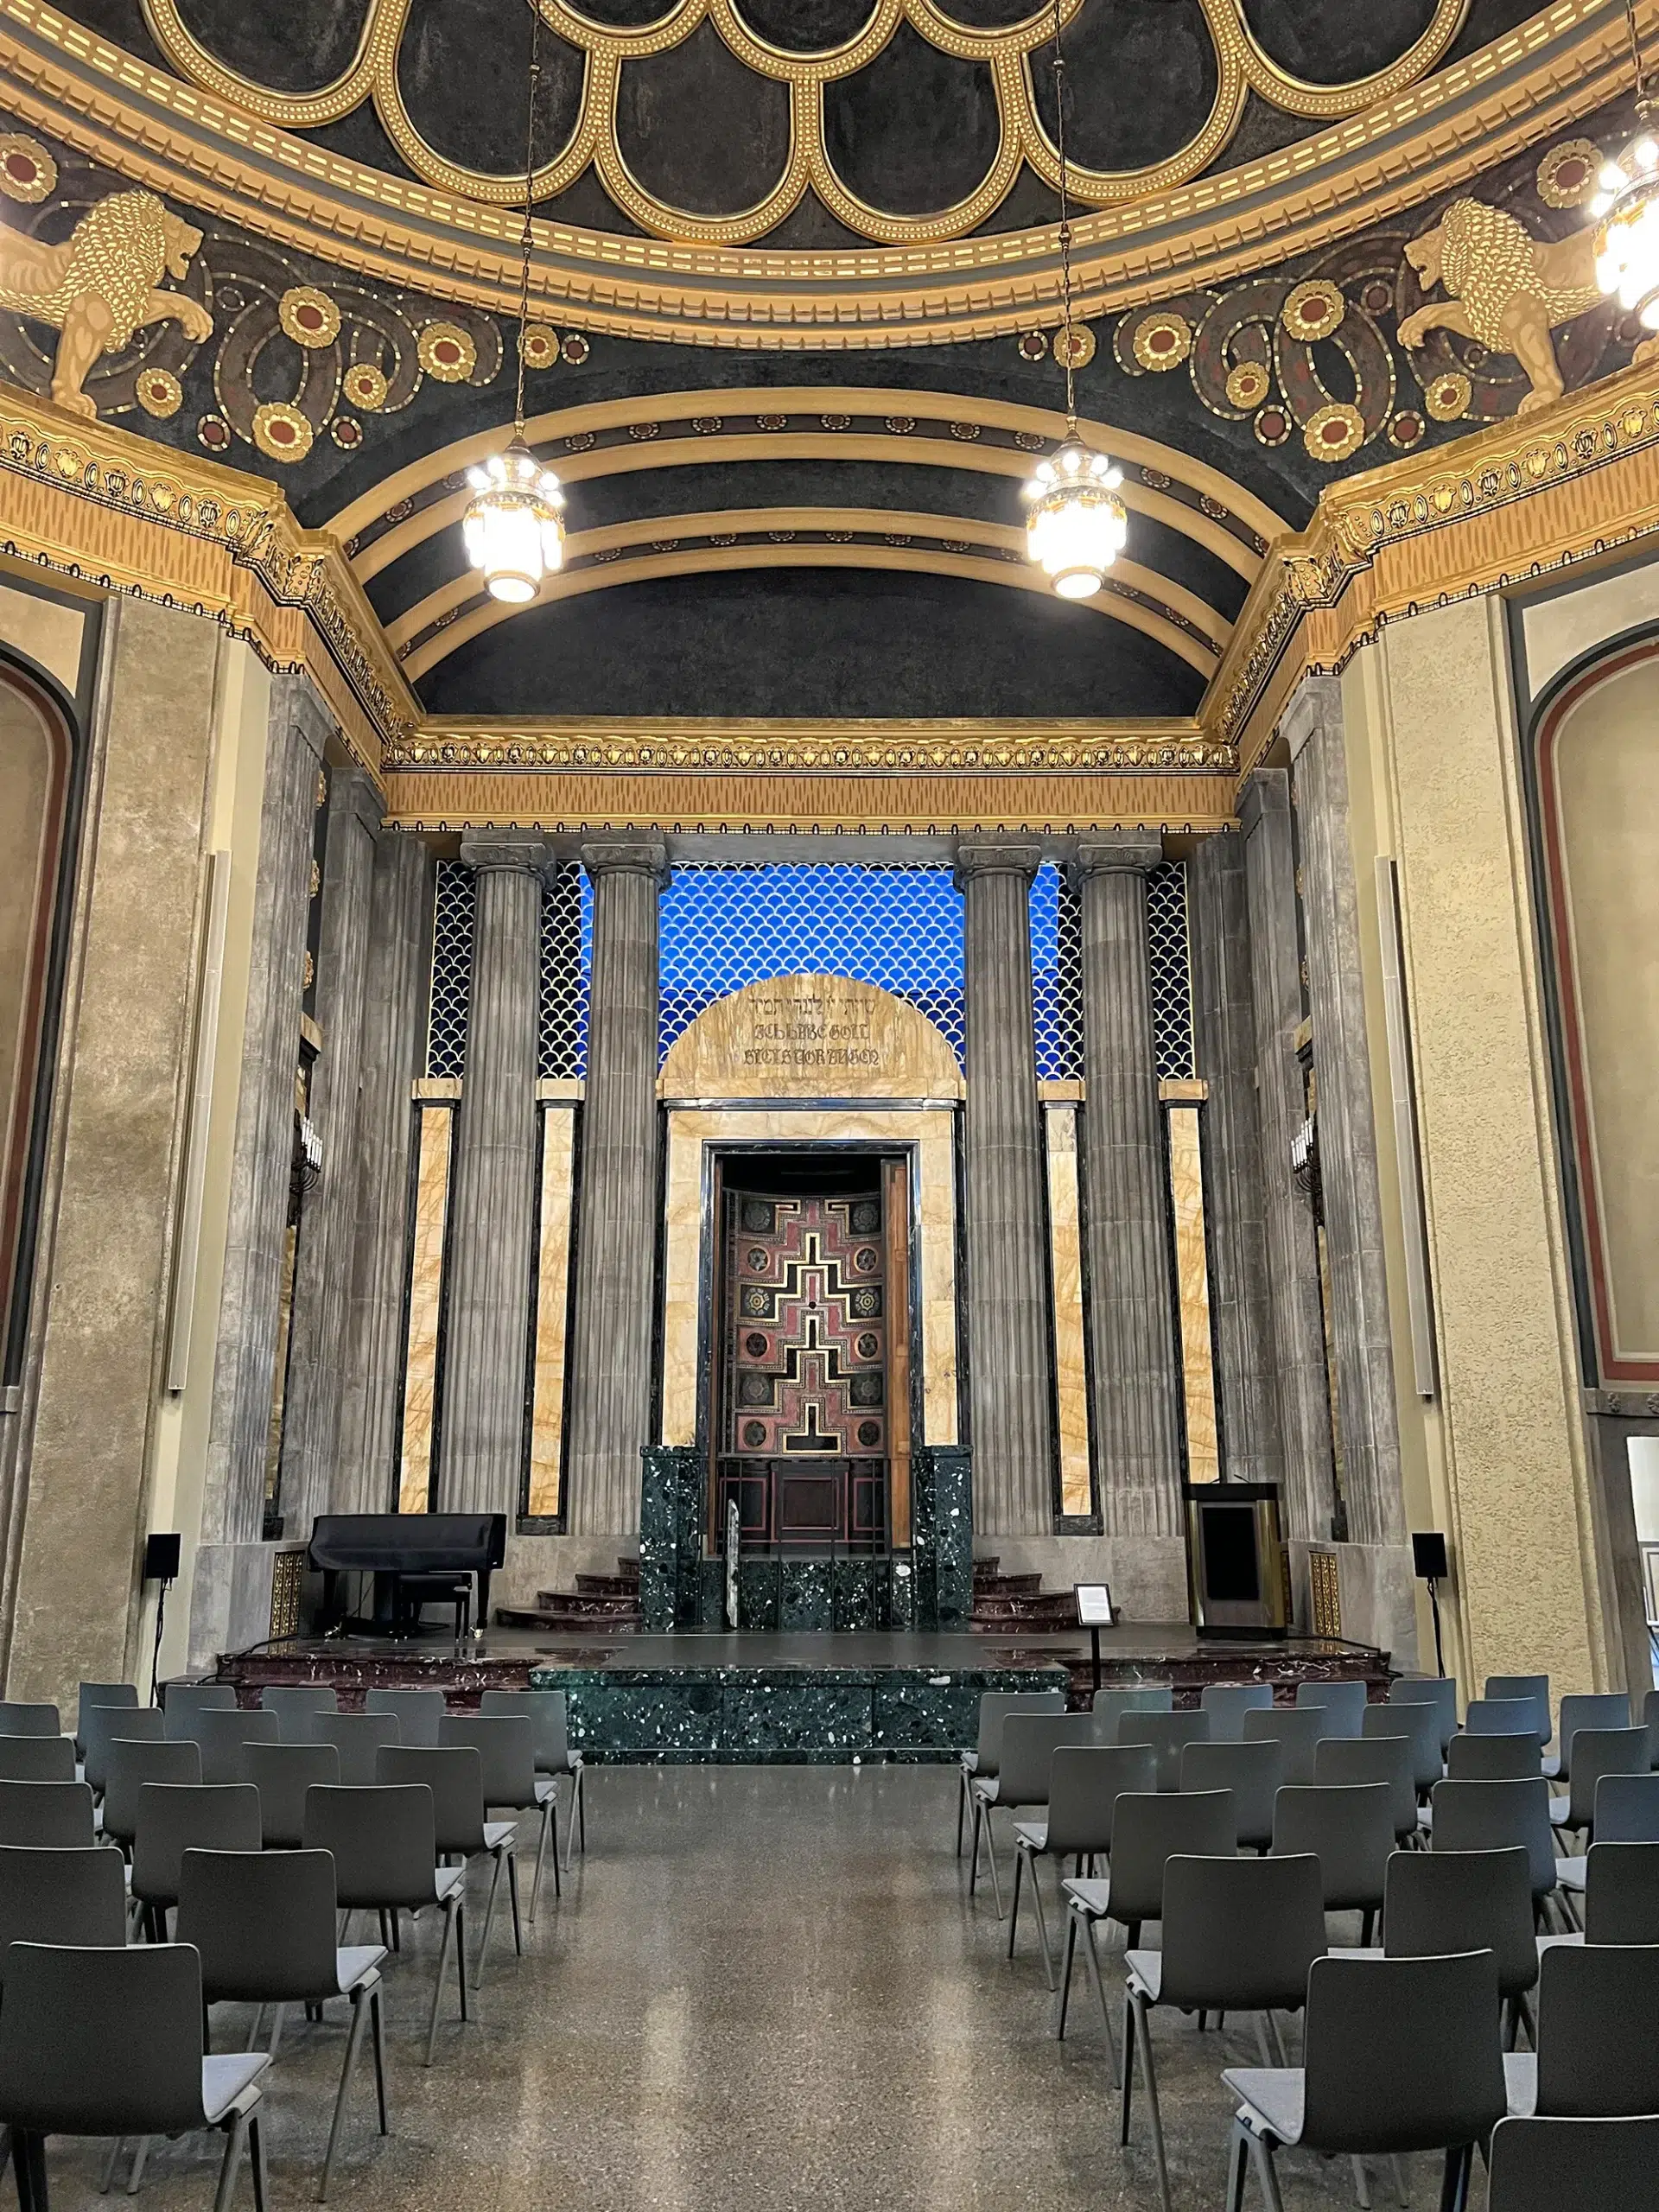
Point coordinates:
pixel 1242 66
pixel 101 504
pixel 209 152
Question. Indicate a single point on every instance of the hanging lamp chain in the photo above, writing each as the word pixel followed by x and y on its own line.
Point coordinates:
pixel 1065 228
pixel 1644 99
pixel 529 195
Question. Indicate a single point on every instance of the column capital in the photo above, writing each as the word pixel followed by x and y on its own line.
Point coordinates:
pixel 1264 791
pixel 996 856
pixel 1317 705
pixel 627 853
pixel 1123 852
pixel 525 851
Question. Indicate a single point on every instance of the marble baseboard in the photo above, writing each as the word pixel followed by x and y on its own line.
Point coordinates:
pixel 230 1601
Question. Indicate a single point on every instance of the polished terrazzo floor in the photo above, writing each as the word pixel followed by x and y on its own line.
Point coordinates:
pixel 766 1992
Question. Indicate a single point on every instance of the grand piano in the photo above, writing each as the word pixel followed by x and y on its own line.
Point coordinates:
pixel 412 1556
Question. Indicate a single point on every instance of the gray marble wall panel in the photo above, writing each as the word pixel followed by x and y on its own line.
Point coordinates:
pixel 486 1341
pixel 1223 1021
pixel 1010 1352
pixel 618 1205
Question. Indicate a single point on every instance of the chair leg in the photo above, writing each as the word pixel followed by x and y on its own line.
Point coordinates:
pixel 1062 1996
pixel 990 1853
pixel 553 1830
pixel 1042 1922
pixel 1454 2181
pixel 1401 2194
pixel 581 1809
pixel 541 1855
pixel 279 2014
pixel 1261 2042
pixel 1149 2083
pixel 32 2148
pixel 962 1804
pixel 1093 1958
pixel 1238 2151
pixel 257 2160
pixel 1262 2159
pixel 1361 2185
pixel 512 1899
pixel 1013 1909
pixel 378 2029
pixel 437 1983
pixel 140 2160
pixel 489 1922
pixel 233 2140
pixel 110 2163
pixel 1127 2080
pixel 354 2044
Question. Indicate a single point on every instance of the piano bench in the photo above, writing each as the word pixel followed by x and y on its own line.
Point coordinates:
pixel 414 1591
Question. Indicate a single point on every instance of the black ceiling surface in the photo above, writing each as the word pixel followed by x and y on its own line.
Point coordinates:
pixel 810 642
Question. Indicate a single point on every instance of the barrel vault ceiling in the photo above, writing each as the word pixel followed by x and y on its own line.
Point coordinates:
pixel 793 305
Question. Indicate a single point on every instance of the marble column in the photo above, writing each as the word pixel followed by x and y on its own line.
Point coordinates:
pixel 1224 1022
pixel 394 1007
pixel 317 1353
pixel 617 1201
pixel 1298 1328
pixel 486 1323
pixel 1131 1306
pixel 1010 1359
pixel 1367 1417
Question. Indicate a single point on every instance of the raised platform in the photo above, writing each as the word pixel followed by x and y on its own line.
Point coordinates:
pixel 810 1698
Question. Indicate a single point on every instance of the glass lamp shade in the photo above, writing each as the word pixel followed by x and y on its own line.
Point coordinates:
pixel 1076 524
pixel 514 527
pixel 1627 232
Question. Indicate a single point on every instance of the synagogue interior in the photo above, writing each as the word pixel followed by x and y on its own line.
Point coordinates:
pixel 818 1390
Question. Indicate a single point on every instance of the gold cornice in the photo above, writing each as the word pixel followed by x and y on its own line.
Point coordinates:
pixel 209 154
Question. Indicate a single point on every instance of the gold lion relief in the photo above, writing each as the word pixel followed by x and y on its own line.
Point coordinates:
pixel 1507 290
pixel 102 284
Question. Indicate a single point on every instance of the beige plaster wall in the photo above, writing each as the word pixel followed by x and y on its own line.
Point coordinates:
pixel 49 628
pixel 1497 1458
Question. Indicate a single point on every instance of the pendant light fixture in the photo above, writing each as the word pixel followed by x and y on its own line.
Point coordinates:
pixel 513 528
pixel 1076 523
pixel 1627 207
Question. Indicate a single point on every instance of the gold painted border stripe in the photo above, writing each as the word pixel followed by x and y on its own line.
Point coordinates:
pixel 545 1492
pixel 1192 1294
pixel 1066 1280
pixel 434 1143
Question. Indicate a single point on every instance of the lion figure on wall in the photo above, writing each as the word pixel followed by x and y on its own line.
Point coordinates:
pixel 102 284
pixel 1508 290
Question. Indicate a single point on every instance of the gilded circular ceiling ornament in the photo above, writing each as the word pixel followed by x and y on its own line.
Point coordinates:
pixel 1163 341
pixel 1033 346
pixel 28 171
pixel 706 425
pixel 1333 431
pixel 448 353
pixel 1567 175
pixel 771 421
pixel 282 431
pixel 1312 310
pixel 541 346
pixel 309 317
pixel 1406 430
pixel 347 432
pixel 160 393
pixel 901 425
pixel 1271 426
pixel 1448 395
pixel 365 386
pixel 215 433
pixel 1074 345
pixel 836 421
pixel 576 348
pixel 1248 384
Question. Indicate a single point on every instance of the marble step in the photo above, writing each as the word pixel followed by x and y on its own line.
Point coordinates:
pixel 566 1621
pixel 598 1604
pixel 608 1585
pixel 1057 1609
pixel 1009 1585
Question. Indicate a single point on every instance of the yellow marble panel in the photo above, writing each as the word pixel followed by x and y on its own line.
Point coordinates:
pixel 810 1037
pixel 1192 1294
pixel 689 1128
pixel 436 1131
pixel 552 1301
pixel 1065 1272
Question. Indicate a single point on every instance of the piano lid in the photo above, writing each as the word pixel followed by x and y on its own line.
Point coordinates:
pixel 408 1543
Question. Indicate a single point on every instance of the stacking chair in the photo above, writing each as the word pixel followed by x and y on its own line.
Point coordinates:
pixel 59 1896
pixel 1387 1759
pixel 102 1725
pixel 28 1720
pixel 1168 1734
pixel 36 1758
pixel 265 1928
pixel 1539 2166
pixel 184 1700
pixel 1296 1730
pixel 1239 1936
pixel 1651 1722
pixel 359 1738
pixel 1148 1832
pixel 223 1738
pixel 1227 1703
pixel 1342 1703
pixel 99 1693
pixel 283 1773
pixel 131 1767
pixel 1596 2057
pixel 1602 1710
pixel 383 1842
pixel 295 1706
pixel 1595 1754
pixel 1402 2055
pixel 1419 1725
pixel 1253 1772
pixel 1621 1893
pixel 1495 1815
pixel 1108 1706
pixel 1350 1830
pixel 1476 1756
pixel 1505 1716
pixel 1029 1743
pixel 455 1776
pixel 550 1716
pixel 507 1743
pixel 1437 1902
pixel 47 1815
pixel 108 2041
pixel 1439 1692
pixel 1534 1688
pixel 995 1706
pixel 418 1713
pixel 1085 1782
pixel 177 1817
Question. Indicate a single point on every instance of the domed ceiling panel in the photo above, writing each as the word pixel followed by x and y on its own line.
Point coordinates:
pixel 1322 45
pixel 806 26
pixel 298 48
pixel 462 77
pixel 915 131
pixel 664 105
pixel 1114 57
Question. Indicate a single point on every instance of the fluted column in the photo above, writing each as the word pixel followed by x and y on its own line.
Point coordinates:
pixel 1009 1354
pixel 1131 1312
pixel 486 1334
pixel 616 1243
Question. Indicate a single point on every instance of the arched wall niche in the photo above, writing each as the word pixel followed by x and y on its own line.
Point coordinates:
pixel 1595 763
pixel 40 760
